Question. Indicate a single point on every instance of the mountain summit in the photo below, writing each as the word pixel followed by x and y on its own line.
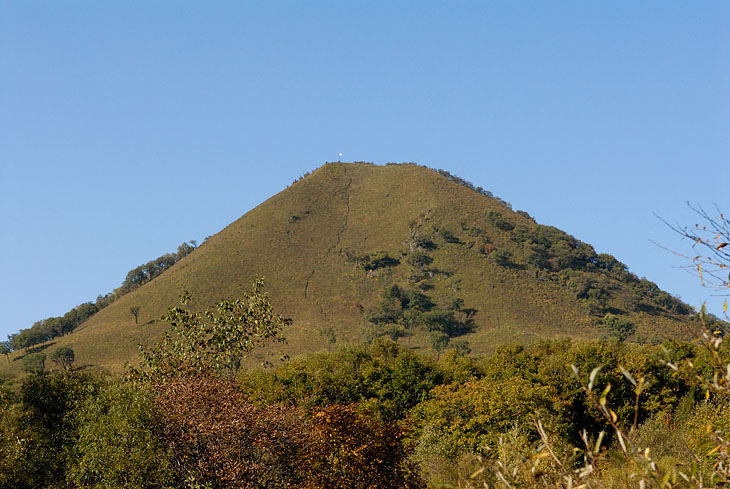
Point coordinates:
pixel 355 251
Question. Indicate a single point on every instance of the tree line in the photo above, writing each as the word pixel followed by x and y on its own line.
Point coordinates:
pixel 53 327
pixel 365 416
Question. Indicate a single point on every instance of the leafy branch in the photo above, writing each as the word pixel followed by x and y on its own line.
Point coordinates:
pixel 217 339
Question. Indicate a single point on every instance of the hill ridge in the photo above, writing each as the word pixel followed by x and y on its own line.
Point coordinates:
pixel 334 242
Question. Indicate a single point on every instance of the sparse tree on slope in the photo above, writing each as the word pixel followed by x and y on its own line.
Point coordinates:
pixel 5 349
pixel 329 335
pixel 134 310
pixel 34 363
pixel 63 357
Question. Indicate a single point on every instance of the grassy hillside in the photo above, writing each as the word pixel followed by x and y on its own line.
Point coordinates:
pixel 331 245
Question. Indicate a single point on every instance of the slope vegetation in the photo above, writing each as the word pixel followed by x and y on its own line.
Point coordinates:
pixel 404 251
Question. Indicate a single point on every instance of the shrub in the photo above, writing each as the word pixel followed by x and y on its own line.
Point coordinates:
pixel 448 236
pixel 380 330
pixel 389 378
pixel 618 327
pixel 34 363
pixel 499 221
pixel 63 357
pixel 502 257
pixel 218 437
pixel 354 450
pixel 119 439
pixel 418 259
pixel 375 260
pixel 473 415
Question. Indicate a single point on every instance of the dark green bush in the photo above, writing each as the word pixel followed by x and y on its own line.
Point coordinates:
pixel 499 221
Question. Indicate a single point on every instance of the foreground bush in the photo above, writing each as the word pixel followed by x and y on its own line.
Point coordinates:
pixel 119 442
pixel 390 378
pixel 351 449
pixel 215 436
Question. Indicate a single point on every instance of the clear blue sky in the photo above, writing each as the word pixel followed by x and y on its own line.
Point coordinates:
pixel 129 127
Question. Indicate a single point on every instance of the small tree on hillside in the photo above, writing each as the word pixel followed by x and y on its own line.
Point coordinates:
pixel 502 257
pixel 34 363
pixel 63 357
pixel 439 342
pixel 134 310
pixel 461 347
pixel 618 327
pixel 418 259
pixel 329 335
pixel 5 349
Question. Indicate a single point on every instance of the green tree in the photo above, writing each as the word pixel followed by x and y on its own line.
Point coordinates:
pixel 216 339
pixel 502 257
pixel 5 349
pixel 538 257
pixel 30 337
pixel 34 363
pixel 474 415
pixel 418 301
pixel 119 442
pixel 439 342
pixel 418 259
pixel 461 347
pixel 14 441
pixel 134 310
pixel 63 357
pixel 329 335
pixel 618 327
pixel 49 328
pixel 44 433
pixel 499 221
pixel 390 378
pixel 375 260
pixel 185 249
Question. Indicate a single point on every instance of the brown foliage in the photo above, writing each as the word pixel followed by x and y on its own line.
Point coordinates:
pixel 351 449
pixel 219 438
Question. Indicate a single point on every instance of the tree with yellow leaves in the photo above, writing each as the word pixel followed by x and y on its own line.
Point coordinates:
pixel 352 449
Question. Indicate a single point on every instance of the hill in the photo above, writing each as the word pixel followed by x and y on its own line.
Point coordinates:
pixel 361 251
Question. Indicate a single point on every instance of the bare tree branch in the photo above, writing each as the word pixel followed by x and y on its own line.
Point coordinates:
pixel 711 238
